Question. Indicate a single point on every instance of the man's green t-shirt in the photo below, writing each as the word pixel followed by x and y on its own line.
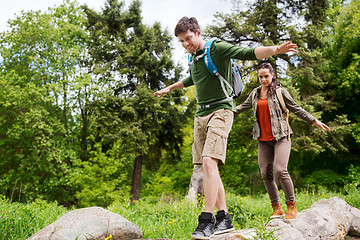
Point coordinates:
pixel 208 86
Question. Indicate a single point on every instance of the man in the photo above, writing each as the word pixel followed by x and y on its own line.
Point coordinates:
pixel 213 118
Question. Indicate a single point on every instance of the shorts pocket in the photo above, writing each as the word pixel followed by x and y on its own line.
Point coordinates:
pixel 216 143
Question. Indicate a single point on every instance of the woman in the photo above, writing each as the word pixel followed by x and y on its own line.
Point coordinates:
pixel 272 131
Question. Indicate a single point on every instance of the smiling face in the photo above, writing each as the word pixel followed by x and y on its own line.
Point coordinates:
pixel 265 77
pixel 191 41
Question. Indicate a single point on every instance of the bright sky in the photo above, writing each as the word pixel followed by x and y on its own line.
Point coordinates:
pixel 168 12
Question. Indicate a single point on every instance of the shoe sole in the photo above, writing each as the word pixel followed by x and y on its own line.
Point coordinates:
pixel 224 231
pixel 200 237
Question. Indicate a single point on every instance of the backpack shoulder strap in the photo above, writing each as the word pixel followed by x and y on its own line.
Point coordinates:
pixel 281 98
pixel 283 106
pixel 207 58
pixel 214 70
pixel 253 96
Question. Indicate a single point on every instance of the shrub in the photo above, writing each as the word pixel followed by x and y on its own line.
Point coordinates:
pixel 326 178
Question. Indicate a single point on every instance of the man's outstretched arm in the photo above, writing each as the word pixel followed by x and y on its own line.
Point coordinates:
pixel 265 52
pixel 170 88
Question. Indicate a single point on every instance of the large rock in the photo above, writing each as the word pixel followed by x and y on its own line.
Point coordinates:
pixel 89 223
pixel 245 234
pixel 326 219
pixel 329 219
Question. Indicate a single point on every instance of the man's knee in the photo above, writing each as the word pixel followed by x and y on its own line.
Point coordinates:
pixel 210 164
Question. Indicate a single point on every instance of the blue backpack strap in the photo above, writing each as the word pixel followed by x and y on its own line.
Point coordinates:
pixel 207 58
pixel 214 70
pixel 190 63
pixel 194 60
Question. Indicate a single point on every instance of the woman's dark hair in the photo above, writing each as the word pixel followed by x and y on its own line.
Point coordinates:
pixel 275 81
pixel 185 24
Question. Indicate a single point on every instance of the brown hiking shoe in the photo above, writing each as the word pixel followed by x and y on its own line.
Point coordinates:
pixel 278 211
pixel 291 210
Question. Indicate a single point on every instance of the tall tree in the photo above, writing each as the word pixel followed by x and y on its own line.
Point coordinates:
pixel 343 52
pixel 344 55
pixel 40 58
pixel 132 60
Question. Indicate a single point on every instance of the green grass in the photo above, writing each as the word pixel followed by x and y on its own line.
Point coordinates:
pixel 163 217
pixel 20 221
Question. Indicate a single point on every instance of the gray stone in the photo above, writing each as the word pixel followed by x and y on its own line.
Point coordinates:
pixel 326 219
pixel 245 234
pixel 89 223
pixel 355 225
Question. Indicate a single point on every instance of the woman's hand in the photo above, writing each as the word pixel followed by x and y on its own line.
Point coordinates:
pixel 321 125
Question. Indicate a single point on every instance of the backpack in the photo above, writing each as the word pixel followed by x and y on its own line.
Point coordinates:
pixel 236 85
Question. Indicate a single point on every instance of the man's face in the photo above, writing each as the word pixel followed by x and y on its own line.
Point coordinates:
pixel 190 41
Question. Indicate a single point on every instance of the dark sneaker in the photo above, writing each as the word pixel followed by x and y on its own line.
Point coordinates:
pixel 223 223
pixel 205 229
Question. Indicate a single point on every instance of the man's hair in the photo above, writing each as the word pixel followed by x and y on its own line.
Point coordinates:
pixel 185 24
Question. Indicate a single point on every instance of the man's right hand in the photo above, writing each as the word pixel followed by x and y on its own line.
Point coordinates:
pixel 161 92
pixel 168 89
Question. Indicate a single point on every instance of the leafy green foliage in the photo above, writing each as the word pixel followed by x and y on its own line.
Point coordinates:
pixel 326 178
pixel 39 57
pixel 77 105
pixel 101 180
pixel 344 54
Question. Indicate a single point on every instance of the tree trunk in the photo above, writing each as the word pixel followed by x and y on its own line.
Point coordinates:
pixel 84 132
pixel 196 188
pixel 136 179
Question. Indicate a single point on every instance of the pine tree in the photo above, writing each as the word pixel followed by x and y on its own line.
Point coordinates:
pixel 133 60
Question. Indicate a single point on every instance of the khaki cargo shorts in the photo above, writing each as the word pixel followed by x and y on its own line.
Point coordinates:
pixel 211 134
